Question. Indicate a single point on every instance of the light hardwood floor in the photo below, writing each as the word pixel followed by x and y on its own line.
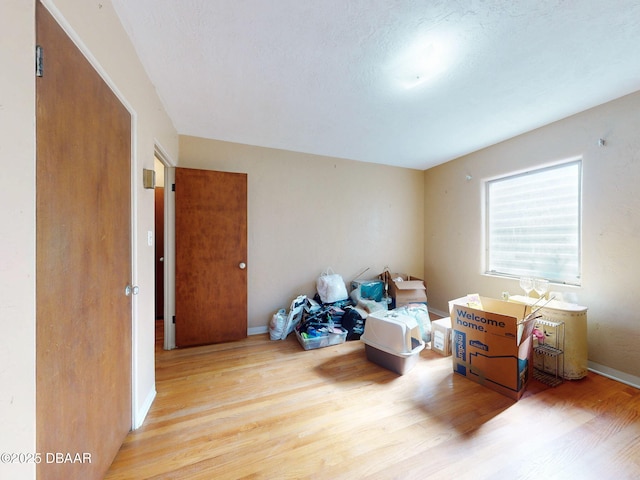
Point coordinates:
pixel 270 410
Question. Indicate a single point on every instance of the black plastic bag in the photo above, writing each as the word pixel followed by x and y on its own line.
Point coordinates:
pixel 353 323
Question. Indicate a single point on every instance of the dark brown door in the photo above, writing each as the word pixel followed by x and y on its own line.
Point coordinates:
pixel 83 263
pixel 211 256
pixel 159 251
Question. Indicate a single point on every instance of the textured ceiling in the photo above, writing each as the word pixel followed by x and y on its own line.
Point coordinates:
pixel 327 76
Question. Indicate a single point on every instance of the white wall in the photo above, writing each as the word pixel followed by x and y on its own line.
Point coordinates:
pixel 97 31
pixel 17 240
pixel 454 251
pixel 308 212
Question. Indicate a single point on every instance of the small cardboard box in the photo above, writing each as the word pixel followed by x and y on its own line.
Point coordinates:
pixel 492 345
pixel 441 336
pixel 405 289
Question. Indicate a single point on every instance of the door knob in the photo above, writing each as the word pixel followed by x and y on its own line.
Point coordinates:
pixel 131 290
pixel 242 265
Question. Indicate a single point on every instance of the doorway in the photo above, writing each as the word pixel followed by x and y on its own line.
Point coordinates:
pixel 159 251
pixel 213 294
pixel 164 251
pixel 210 256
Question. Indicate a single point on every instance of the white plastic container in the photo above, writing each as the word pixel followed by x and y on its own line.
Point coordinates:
pixel 392 340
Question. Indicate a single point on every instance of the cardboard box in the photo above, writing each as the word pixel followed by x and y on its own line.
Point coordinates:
pixel 441 336
pixel 492 345
pixel 405 289
pixel 392 341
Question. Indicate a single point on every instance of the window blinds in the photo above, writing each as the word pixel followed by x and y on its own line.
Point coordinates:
pixel 533 224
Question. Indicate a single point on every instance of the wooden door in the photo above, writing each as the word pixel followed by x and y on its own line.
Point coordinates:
pixel 83 262
pixel 211 256
pixel 159 251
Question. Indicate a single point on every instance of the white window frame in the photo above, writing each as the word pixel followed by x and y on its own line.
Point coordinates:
pixel 524 260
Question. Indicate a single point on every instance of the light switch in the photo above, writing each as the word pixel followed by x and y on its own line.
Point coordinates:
pixel 150 238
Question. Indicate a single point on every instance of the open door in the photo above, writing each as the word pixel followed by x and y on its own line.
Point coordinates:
pixel 211 256
pixel 83 262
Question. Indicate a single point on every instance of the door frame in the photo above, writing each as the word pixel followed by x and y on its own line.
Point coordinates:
pixel 169 249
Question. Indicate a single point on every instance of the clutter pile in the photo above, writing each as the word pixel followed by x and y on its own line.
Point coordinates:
pixel 335 315
pixel 490 341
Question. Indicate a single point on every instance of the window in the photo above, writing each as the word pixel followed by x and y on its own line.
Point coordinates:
pixel 533 224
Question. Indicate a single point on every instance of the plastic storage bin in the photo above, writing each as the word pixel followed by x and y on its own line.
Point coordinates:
pixel 392 341
pixel 337 336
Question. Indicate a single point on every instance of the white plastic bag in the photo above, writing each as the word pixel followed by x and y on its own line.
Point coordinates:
pixel 277 323
pixel 420 312
pixel 331 287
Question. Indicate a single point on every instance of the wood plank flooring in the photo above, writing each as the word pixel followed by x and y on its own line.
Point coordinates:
pixel 263 409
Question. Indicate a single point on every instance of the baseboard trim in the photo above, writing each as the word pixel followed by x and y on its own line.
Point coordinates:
pixel 257 330
pixel 614 374
pixel 438 312
pixel 141 414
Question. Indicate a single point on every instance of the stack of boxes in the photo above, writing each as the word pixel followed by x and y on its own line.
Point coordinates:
pixel 489 340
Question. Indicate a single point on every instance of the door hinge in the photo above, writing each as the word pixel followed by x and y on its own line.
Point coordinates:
pixel 39 61
pixel 173 187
